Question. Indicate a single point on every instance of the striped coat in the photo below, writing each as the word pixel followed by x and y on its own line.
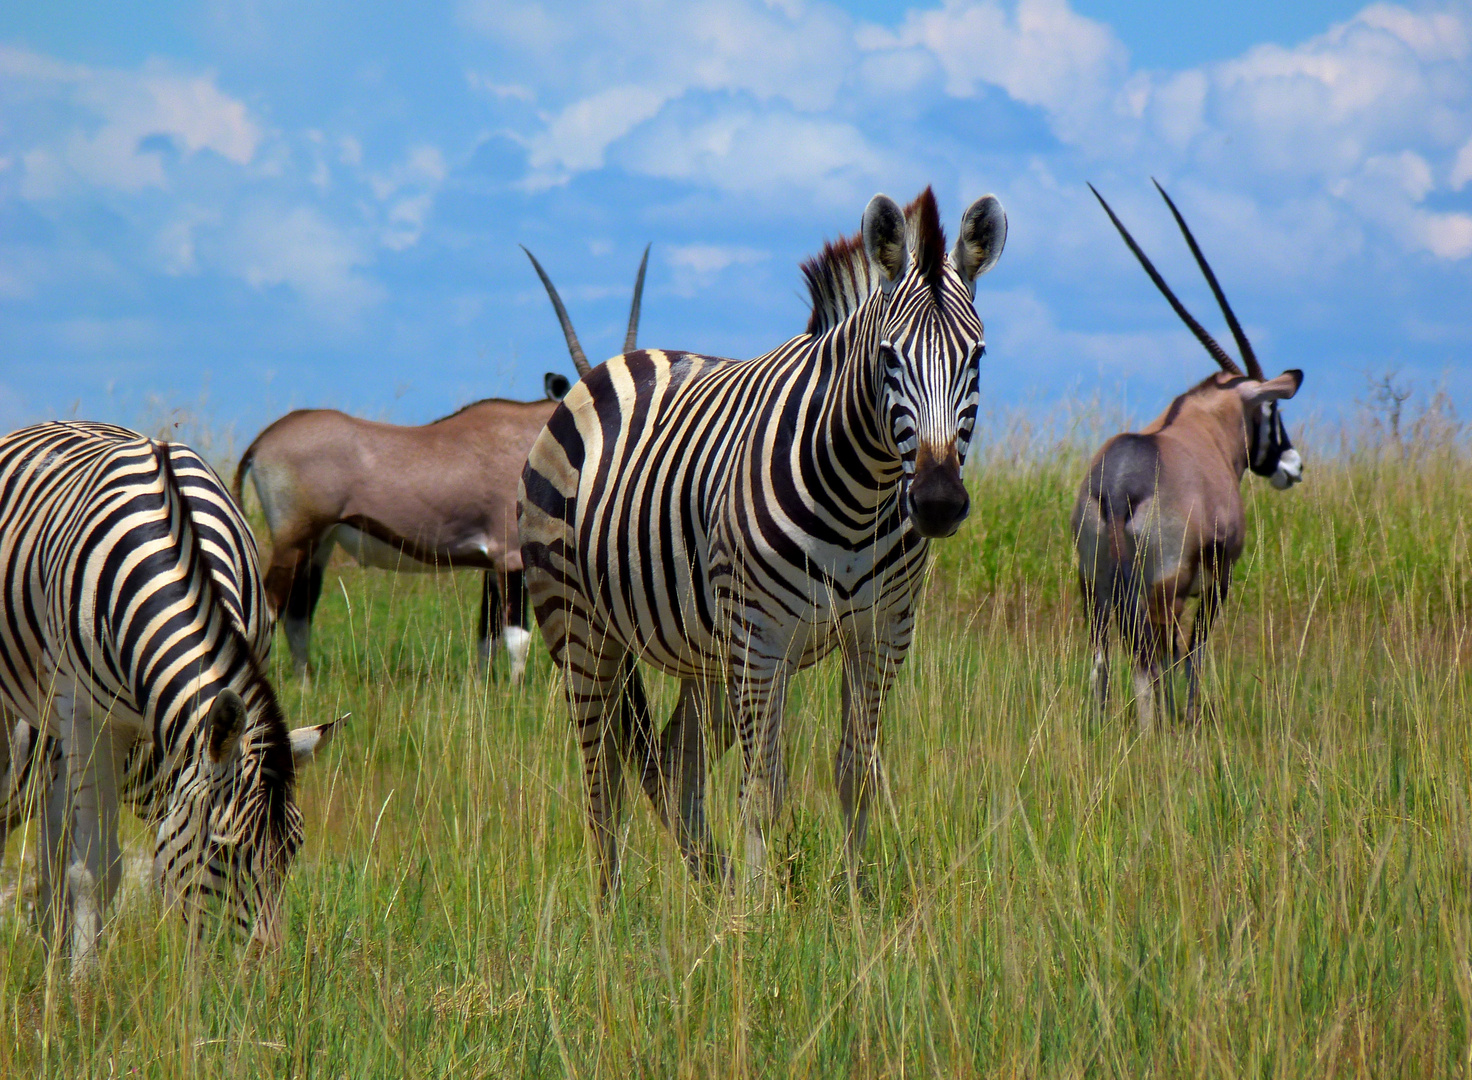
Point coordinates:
pixel 731 521
pixel 133 636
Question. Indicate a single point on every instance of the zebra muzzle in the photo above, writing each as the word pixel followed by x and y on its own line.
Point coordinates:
pixel 937 500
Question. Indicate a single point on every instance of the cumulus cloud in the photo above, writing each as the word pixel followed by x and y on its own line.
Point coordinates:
pixel 696 266
pixel 1040 52
pixel 130 122
pixel 241 200
pixel 663 57
pixel 299 248
pixel 766 152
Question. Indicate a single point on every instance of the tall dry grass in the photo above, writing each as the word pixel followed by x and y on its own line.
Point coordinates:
pixel 1282 891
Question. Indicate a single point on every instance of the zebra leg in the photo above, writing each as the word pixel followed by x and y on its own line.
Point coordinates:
pixel 81 866
pixel 51 859
pixel 96 757
pixel 698 734
pixel 759 691
pixel 12 811
pixel 517 637
pixel 868 669
pixel 606 697
pixel 490 617
pixel 22 781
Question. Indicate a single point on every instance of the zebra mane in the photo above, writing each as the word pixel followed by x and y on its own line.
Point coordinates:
pixel 267 739
pixel 840 278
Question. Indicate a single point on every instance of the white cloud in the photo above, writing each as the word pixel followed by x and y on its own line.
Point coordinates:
pixel 696 266
pixel 505 91
pixel 129 123
pixel 1041 52
pixel 576 139
pixel 1447 236
pixel 1461 168
pixel 299 248
pixel 770 153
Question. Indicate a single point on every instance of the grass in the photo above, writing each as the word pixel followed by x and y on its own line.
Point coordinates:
pixel 1280 892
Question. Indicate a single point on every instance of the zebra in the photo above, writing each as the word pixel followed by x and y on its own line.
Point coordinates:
pixel 133 641
pixel 730 522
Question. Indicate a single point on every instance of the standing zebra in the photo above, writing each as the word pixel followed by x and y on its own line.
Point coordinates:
pixel 133 637
pixel 732 521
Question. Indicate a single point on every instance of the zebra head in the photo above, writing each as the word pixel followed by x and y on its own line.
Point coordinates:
pixel 929 344
pixel 232 826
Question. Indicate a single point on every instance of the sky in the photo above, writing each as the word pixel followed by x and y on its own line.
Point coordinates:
pixel 238 207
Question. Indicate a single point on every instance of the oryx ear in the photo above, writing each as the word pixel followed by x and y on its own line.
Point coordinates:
pixel 224 723
pixel 983 235
pixel 885 240
pixel 556 386
pixel 308 742
pixel 1279 389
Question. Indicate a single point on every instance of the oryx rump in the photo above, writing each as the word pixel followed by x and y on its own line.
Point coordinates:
pixel 1159 515
pixel 440 495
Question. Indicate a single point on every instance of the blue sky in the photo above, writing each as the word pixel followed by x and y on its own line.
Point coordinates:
pixel 265 204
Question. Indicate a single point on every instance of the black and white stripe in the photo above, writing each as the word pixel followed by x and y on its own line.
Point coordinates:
pixel 732 521
pixel 133 639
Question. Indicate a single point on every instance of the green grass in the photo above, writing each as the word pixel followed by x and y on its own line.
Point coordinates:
pixel 1281 892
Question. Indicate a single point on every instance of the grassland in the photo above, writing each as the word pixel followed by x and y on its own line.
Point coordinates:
pixel 1283 891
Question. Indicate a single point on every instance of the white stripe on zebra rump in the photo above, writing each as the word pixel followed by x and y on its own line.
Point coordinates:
pixel 730 522
pixel 133 641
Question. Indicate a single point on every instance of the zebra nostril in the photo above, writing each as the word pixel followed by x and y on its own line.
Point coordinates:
pixel 939 503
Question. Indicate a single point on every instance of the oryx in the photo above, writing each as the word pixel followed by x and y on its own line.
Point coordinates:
pixel 1159 516
pixel 441 495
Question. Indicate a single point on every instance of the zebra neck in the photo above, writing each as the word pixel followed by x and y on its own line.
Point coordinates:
pixel 850 433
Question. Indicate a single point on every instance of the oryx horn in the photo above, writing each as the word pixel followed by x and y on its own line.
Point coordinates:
pixel 1249 358
pixel 579 358
pixel 1218 354
pixel 633 333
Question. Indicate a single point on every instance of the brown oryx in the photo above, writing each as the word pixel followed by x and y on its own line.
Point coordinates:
pixel 401 498
pixel 1159 516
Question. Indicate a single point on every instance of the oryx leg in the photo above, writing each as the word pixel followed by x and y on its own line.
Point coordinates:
pixel 1213 593
pixel 1146 642
pixel 491 616
pixel 516 636
pixel 293 587
pixel 868 670
pixel 1098 605
pixel 698 734
pixel 1167 603
pixel 759 675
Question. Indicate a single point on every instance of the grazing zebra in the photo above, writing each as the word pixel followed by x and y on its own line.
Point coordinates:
pixel 133 639
pixel 1159 514
pixel 732 521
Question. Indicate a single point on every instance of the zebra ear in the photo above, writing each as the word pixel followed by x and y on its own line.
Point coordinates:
pixel 885 240
pixel 983 235
pixel 307 742
pixel 555 386
pixel 224 723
